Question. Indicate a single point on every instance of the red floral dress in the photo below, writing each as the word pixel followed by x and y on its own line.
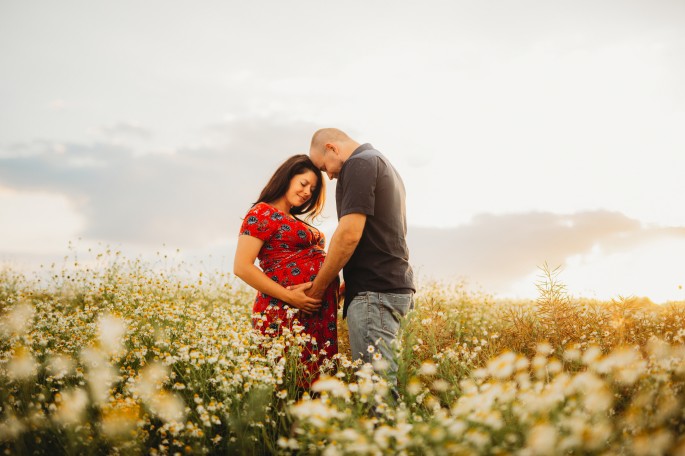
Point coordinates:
pixel 293 253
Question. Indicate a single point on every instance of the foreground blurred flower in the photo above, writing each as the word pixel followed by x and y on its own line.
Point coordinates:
pixel 168 406
pixel 111 331
pixel 59 366
pixel 650 444
pixel 72 405
pixel 332 385
pixel 542 439
pixel 379 363
pixel 428 368
pixel 440 385
pixel 414 386
pixel 591 355
pixel 544 349
pixel 100 374
pixel 625 364
pixel 150 381
pixel 288 444
pixel 597 397
pixel 17 321
pixel 315 412
pixel 22 365
pixel 503 366
pixel 120 419
pixel 11 428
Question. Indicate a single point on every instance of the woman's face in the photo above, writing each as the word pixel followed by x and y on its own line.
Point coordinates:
pixel 301 188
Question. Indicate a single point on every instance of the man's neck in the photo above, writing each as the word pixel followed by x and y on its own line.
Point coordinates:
pixel 348 149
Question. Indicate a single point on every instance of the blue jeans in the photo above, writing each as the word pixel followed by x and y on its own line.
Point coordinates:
pixel 373 319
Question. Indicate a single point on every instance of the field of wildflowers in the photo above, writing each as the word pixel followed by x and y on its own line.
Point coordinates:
pixel 126 357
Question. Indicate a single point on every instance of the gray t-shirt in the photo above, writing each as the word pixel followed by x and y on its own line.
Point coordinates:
pixel 368 184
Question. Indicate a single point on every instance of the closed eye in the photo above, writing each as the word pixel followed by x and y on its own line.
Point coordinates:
pixel 305 182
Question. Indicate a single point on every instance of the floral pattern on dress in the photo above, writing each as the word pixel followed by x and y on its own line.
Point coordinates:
pixel 293 253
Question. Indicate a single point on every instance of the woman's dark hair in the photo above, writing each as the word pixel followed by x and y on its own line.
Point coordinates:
pixel 280 182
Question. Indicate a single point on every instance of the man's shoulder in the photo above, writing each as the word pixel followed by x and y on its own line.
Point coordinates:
pixel 366 157
pixel 365 152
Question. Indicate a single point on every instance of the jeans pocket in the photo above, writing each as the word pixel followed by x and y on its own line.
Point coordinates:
pixel 393 307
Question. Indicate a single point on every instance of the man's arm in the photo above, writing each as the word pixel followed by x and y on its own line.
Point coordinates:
pixel 343 242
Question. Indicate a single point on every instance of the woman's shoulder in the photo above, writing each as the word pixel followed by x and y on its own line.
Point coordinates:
pixel 259 221
pixel 260 209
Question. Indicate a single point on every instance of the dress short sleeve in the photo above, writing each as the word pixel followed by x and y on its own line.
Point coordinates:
pixel 260 222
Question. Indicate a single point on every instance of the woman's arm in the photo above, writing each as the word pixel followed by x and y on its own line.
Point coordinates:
pixel 244 267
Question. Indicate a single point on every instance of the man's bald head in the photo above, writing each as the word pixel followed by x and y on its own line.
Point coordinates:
pixel 329 149
pixel 328 135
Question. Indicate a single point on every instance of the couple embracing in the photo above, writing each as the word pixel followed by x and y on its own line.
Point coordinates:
pixel 368 245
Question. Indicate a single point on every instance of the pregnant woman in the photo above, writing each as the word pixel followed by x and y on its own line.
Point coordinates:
pixel 290 252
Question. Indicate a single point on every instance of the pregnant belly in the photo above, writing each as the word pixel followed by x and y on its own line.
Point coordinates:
pixel 298 271
pixel 306 270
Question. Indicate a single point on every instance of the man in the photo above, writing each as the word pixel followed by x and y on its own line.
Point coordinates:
pixel 369 244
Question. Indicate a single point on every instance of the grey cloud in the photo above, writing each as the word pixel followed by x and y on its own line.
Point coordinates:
pixel 185 199
pixel 496 250
pixel 126 130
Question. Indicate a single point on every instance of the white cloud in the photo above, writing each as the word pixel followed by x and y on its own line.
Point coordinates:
pixel 503 252
pixel 37 222
pixel 126 130
pixel 186 198
pixel 504 108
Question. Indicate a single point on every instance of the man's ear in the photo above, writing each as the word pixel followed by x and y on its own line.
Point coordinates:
pixel 332 147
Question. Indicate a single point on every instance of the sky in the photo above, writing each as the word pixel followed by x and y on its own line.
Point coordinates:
pixel 527 133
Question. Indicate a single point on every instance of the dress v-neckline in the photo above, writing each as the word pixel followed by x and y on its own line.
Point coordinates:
pixel 290 216
pixel 287 214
